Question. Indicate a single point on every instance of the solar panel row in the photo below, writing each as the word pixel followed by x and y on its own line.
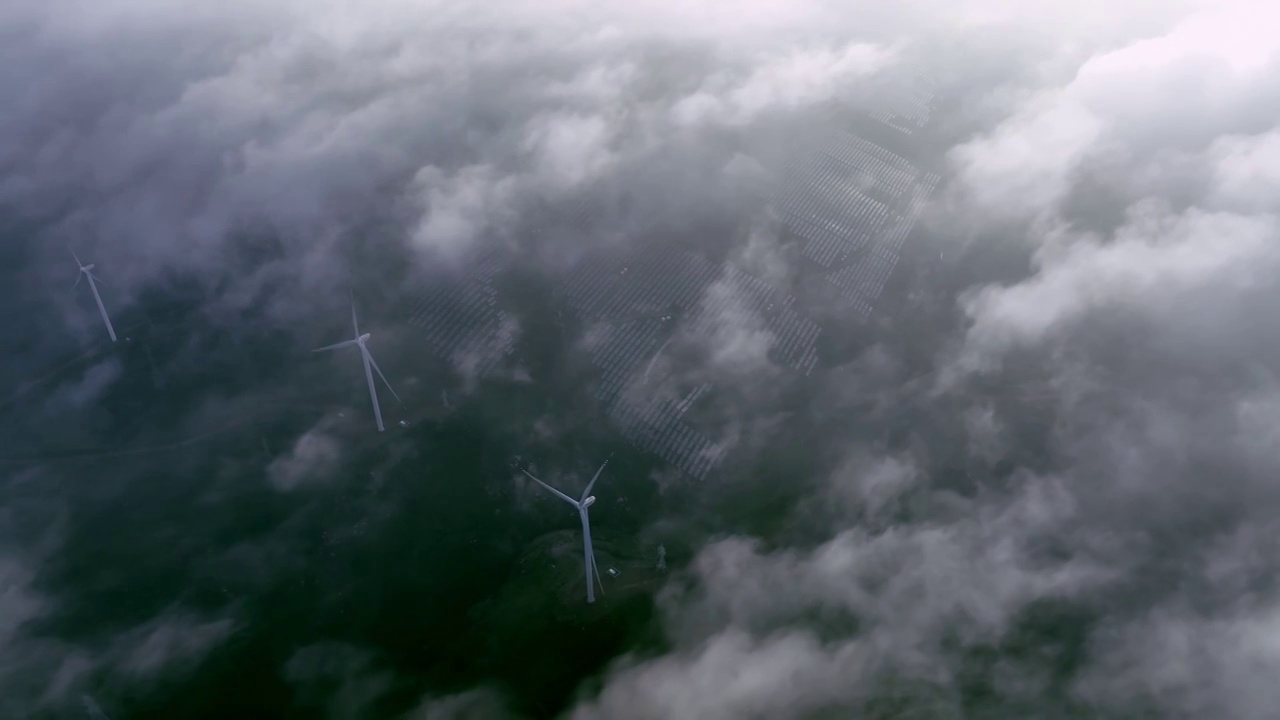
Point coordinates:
pixel 633 306
pixel 464 319
pixel 856 238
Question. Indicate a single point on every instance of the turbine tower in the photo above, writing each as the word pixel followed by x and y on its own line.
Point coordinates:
pixel 370 365
pixel 586 500
pixel 84 273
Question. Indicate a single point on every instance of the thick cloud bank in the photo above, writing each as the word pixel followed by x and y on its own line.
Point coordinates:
pixel 1046 486
pixel 1130 569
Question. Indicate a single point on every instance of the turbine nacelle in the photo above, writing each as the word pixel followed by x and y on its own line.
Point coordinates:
pixel 370 365
pixel 93 287
pixel 588 502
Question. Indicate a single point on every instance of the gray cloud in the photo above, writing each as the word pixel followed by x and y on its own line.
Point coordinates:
pixel 43 673
pixel 478 704
pixel 315 457
pixel 314 669
pixel 88 389
pixel 791 633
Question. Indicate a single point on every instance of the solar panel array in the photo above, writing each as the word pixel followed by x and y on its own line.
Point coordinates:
pixel 794 336
pixel 852 205
pixel 882 169
pixel 635 306
pixel 898 231
pixel 908 107
pixel 647 282
pixel 866 278
pixel 830 210
pixel 657 426
pixel 462 321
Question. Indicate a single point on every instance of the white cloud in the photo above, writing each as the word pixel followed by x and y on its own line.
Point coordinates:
pixel 792 80
pixel 88 389
pixel 169 644
pixel 570 149
pixel 314 458
pixel 1211 75
pixel 748 636
pixel 1246 173
pixel 477 704
pixel 1025 166
pixel 461 206
pixel 1188 268
pixel 344 680
pixel 19 602
pixel 1188 666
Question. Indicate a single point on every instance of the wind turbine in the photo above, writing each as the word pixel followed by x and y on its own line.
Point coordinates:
pixel 370 365
pixel 84 273
pixel 587 499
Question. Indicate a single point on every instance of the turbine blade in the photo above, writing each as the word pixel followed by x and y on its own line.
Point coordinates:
pixel 559 494
pixel 101 308
pixel 354 323
pixel 335 346
pixel 96 278
pixel 79 277
pixel 74 255
pixel 110 330
pixel 373 391
pixel 595 570
pixel 588 555
pixel 384 377
pixel 595 477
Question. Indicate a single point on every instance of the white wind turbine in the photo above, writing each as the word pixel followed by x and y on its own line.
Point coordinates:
pixel 588 554
pixel 84 273
pixel 370 366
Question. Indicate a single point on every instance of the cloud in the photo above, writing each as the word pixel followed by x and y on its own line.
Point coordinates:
pixel 315 669
pixel 1126 109
pixel 1187 665
pixel 733 334
pixel 460 207
pixel 1194 231
pixel 305 121
pixel 477 704
pixel 1246 172
pixel 1186 268
pixel 168 644
pixel 790 633
pixel 315 457
pixel 41 672
pixel 19 601
pixel 89 389
pixel 1088 453
pixel 797 79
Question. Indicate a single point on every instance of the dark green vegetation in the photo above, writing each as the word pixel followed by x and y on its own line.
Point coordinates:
pixel 410 562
